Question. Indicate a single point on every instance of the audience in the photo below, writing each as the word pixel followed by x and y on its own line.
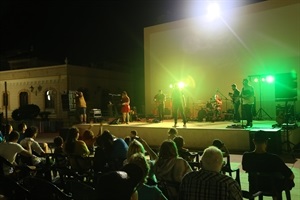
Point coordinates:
pixel 121 184
pixel 220 145
pixel 136 146
pixel 169 167
pixel 110 152
pixel 145 191
pixel 33 146
pixel 10 149
pixel 208 182
pixel 172 133
pixel 89 138
pixel 21 129
pixel 76 150
pixel 183 152
pixel 260 160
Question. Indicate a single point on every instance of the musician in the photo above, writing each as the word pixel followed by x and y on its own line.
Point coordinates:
pixel 235 96
pixel 247 96
pixel 160 99
pixel 125 109
pixel 178 104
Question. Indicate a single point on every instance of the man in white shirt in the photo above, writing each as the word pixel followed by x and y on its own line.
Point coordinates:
pixel 10 149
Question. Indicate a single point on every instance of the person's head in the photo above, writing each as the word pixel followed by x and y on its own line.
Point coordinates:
pixel 160 91
pixel 245 81
pixel 218 143
pixel 119 184
pixel 58 141
pixel 133 134
pixel 88 135
pixel 135 147
pixel 105 140
pixel 168 150
pixel 73 134
pixel 172 132
pixel 179 141
pixel 260 138
pixel 13 136
pixel 31 132
pixel 233 86
pixel 22 127
pixel 124 93
pixel 140 160
pixel 212 159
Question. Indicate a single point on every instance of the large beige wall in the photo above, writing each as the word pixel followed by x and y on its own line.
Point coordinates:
pixel 259 39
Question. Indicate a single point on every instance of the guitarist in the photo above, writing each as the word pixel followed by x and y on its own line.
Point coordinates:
pixel 247 96
pixel 160 99
pixel 235 96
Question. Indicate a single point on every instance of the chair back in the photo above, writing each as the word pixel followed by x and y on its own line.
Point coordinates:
pixel 270 184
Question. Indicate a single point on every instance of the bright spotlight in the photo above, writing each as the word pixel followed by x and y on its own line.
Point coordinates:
pixel 255 80
pixel 270 79
pixel 181 85
pixel 213 11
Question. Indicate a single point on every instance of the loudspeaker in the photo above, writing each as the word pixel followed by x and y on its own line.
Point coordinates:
pixel 68 101
pixel 274 144
pixel 286 87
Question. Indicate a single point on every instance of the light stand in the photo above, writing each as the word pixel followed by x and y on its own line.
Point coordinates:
pixel 261 110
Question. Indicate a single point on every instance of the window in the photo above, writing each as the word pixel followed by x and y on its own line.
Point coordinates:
pixel 49 99
pixel 23 97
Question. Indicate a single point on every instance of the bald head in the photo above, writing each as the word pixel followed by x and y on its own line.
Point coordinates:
pixel 212 159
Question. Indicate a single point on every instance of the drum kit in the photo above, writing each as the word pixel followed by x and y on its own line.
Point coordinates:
pixel 212 110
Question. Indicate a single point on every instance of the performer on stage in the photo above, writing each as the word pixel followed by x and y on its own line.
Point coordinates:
pixel 125 109
pixel 247 96
pixel 160 99
pixel 235 96
pixel 81 106
pixel 178 104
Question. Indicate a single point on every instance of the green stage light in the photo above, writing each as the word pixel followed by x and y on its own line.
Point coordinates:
pixel 255 80
pixel 270 79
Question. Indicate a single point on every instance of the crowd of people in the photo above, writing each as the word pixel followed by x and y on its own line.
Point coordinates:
pixel 131 169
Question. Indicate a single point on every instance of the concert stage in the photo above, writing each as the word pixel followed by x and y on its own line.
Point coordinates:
pixel 199 135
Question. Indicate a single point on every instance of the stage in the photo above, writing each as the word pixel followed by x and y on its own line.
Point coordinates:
pixel 199 135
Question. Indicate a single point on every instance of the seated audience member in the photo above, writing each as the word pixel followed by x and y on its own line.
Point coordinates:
pixel 21 129
pixel 10 149
pixel 110 152
pixel 169 167
pixel 137 147
pixel 208 182
pixel 220 145
pixel 172 133
pixel 6 129
pixel 260 160
pixel 33 146
pixel 145 191
pixel 89 138
pixel 133 135
pixel 76 150
pixel 60 158
pixel 182 152
pixel 120 184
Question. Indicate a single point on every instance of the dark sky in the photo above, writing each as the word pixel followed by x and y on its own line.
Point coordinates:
pixel 84 31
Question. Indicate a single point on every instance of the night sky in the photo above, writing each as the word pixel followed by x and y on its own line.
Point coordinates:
pixel 87 32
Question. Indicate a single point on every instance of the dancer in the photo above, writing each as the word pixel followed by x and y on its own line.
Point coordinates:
pixel 178 104
pixel 235 96
pixel 125 100
pixel 247 96
pixel 160 99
